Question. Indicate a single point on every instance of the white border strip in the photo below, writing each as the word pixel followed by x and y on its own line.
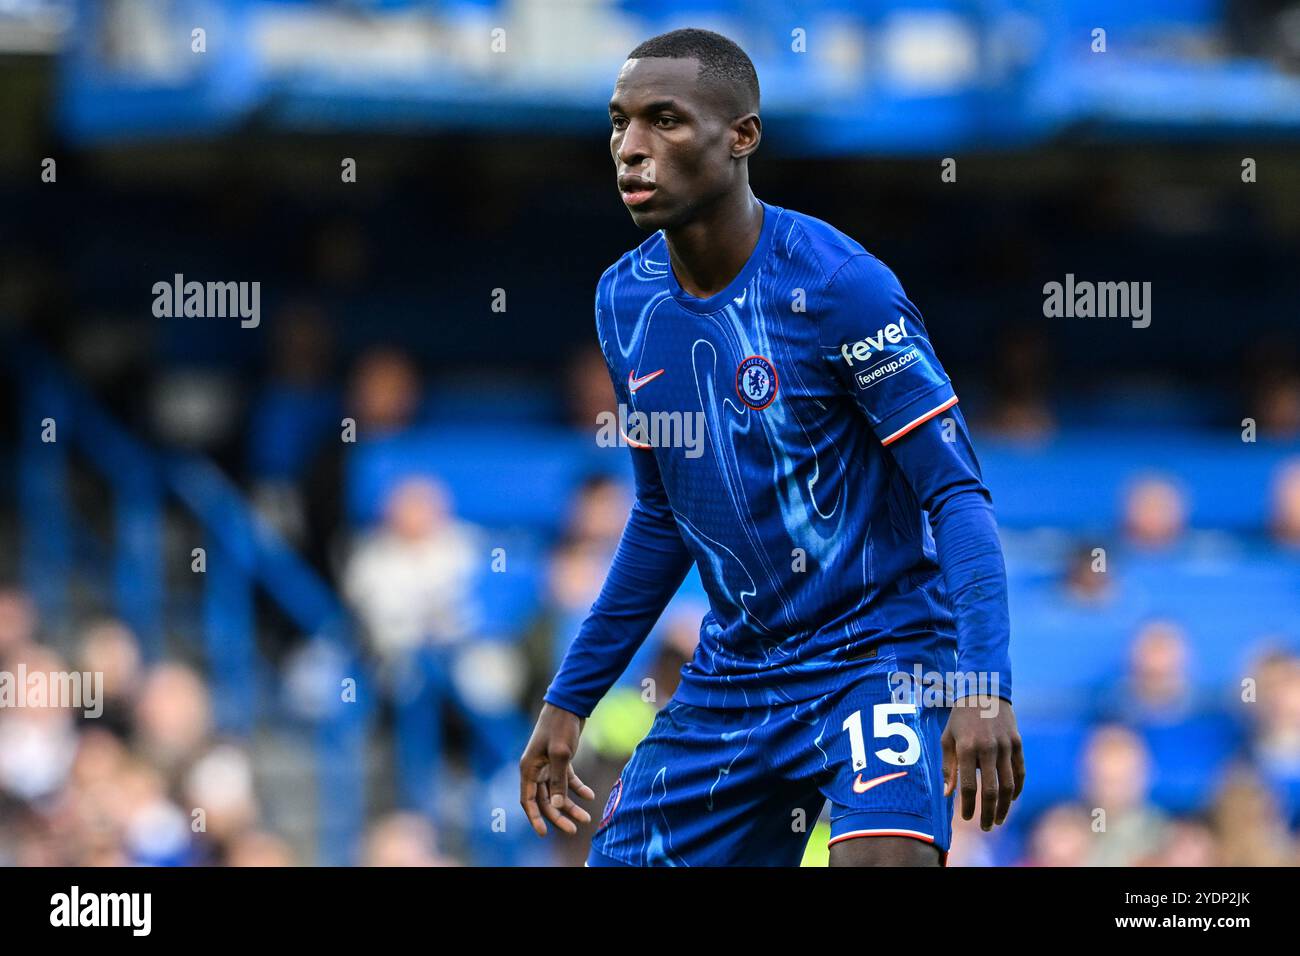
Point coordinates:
pixel 884 831
pixel 917 421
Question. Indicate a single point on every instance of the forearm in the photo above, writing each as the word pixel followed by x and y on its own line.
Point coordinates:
pixel 648 568
pixel 975 577
pixel 940 465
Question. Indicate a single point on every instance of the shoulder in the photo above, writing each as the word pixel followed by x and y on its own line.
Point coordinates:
pixel 862 282
pixel 810 246
pixel 859 295
pixel 637 272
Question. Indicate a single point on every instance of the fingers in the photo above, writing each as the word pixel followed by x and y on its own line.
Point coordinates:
pixel 577 812
pixel 561 777
pixel 578 787
pixel 1018 765
pixel 966 773
pixel 569 811
pixel 1006 782
pixel 988 762
pixel 558 776
pixel 528 796
pixel 553 813
pixel 949 744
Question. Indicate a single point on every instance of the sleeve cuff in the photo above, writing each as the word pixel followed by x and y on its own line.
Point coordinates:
pixel 565 702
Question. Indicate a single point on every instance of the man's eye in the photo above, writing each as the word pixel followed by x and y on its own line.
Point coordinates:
pixel 666 121
pixel 619 122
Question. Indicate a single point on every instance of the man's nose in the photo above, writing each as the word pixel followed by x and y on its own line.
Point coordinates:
pixel 634 147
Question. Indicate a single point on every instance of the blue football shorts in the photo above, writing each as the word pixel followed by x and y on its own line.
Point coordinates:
pixel 713 787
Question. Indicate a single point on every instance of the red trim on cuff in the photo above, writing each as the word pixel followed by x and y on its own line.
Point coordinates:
pixel 919 421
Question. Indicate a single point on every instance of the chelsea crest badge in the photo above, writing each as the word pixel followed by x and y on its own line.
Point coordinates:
pixel 756 382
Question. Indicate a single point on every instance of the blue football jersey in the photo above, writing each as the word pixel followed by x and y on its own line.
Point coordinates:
pixel 768 410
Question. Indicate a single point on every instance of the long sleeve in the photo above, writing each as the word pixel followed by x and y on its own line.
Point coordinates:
pixel 945 476
pixel 649 565
pixel 880 353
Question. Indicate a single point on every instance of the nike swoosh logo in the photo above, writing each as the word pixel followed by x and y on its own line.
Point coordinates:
pixel 861 786
pixel 740 299
pixel 633 383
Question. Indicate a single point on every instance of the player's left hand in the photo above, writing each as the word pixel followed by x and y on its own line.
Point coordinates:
pixel 982 733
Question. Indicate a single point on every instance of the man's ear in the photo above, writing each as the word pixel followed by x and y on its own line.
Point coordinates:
pixel 748 131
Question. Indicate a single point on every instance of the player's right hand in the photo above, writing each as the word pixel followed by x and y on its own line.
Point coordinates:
pixel 546 773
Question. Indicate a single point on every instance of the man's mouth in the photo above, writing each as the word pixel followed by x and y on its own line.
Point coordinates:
pixel 635 191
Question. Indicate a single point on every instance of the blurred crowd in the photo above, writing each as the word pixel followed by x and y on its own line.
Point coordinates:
pixel 148 782
pixel 1169 776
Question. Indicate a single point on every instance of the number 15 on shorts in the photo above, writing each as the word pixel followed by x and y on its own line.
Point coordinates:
pixel 883 727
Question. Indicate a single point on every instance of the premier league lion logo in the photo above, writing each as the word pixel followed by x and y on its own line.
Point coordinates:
pixel 756 382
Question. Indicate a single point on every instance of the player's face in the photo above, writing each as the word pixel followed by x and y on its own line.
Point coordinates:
pixel 671 144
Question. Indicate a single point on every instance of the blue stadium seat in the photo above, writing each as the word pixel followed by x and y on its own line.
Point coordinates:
pixel 1077 481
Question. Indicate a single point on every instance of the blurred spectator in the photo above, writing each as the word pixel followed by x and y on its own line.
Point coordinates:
pixel 403 839
pixel 1189 740
pixel 589 389
pixel 1061 837
pixel 1085 583
pixel 117 811
pixel 599 512
pixel 80 791
pixel 1023 368
pixel 37 743
pixel 383 399
pixel 1249 826
pixel 577 566
pixel 574 576
pixel 220 784
pixel 1155 513
pixel 1116 772
pixel 1285 522
pixel 17 622
pixel 1277 407
pixel 259 848
pixel 294 412
pixel 109 648
pixel 91 801
pixel 1157 684
pixel 971 846
pixel 173 716
pixel 1188 842
pixel 1275 741
pixel 411 581
pixel 1270 376
pixel 155 831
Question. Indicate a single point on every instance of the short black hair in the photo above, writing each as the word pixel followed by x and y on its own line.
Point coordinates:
pixel 720 59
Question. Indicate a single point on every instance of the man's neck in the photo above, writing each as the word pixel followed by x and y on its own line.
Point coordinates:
pixel 709 253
